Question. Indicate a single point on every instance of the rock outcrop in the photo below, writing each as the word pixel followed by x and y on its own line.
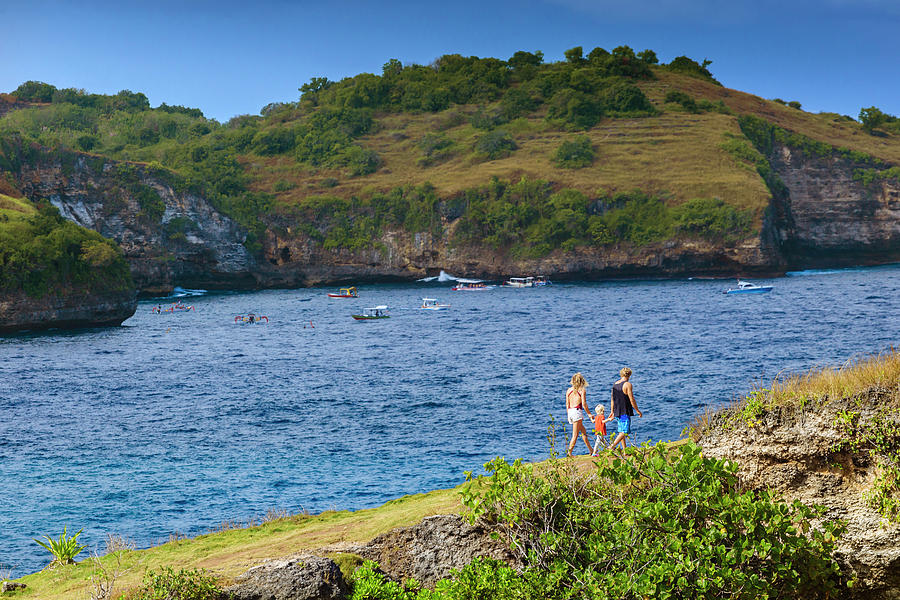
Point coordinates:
pixel 799 453
pixel 305 577
pixel 428 550
pixel 831 217
pixel 170 236
pixel 75 308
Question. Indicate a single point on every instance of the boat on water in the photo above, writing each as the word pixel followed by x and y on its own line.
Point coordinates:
pixel 251 319
pixel 175 307
pixel 375 312
pixel 527 282
pixel 348 292
pixel 433 304
pixel 519 282
pixel 471 285
pixel 745 287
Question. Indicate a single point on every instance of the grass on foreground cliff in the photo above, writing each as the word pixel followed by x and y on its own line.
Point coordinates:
pixel 816 386
pixel 226 554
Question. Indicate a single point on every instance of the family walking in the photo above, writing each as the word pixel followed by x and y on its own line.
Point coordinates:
pixel 621 408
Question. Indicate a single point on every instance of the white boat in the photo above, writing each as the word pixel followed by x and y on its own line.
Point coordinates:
pixel 745 287
pixel 541 280
pixel 519 282
pixel 471 285
pixel 432 304
pixel 372 313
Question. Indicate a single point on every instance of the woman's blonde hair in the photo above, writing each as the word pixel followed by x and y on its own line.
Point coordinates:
pixel 578 381
pixel 625 372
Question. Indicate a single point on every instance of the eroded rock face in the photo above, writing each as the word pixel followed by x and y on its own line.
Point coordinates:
pixel 169 236
pixel 76 308
pixel 429 550
pixel 832 217
pixel 792 452
pixel 305 577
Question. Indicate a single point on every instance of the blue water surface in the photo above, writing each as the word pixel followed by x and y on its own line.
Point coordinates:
pixel 178 422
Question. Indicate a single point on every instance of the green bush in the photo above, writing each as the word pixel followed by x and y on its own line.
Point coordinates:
pixel 662 523
pixel 623 98
pixel 576 153
pixel 683 64
pixel 168 584
pixel 46 254
pixel 679 97
pixel 576 108
pixel 495 144
pixel 711 218
pixel 435 147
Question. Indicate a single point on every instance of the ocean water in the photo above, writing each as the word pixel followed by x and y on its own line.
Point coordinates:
pixel 174 423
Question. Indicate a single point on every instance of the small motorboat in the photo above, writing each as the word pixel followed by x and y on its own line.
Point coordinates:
pixel 370 314
pixel 251 319
pixel 350 292
pixel 541 280
pixel 433 304
pixel 471 285
pixel 180 292
pixel 519 282
pixel 745 287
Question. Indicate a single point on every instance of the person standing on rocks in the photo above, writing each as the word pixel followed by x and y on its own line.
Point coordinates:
pixel 576 399
pixel 622 407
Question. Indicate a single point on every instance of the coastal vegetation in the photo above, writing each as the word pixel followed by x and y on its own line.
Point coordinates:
pixel 43 253
pixel 422 147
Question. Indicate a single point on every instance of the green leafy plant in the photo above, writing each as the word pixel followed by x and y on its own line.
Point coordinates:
pixel 576 153
pixel 371 584
pixel 659 523
pixel 184 584
pixel 64 549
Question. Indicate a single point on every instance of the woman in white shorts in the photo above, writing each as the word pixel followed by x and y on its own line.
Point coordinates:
pixel 576 400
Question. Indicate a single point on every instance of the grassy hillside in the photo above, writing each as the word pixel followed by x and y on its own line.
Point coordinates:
pixel 412 149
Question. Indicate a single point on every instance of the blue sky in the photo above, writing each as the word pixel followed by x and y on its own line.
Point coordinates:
pixel 229 58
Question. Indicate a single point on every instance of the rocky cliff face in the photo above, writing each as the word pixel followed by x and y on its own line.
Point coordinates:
pixel 296 260
pixel 76 308
pixel 795 452
pixel 831 218
pixel 824 217
pixel 169 236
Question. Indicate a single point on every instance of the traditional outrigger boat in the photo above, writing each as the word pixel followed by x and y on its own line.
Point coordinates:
pixel 175 307
pixel 471 285
pixel 433 304
pixel 745 287
pixel 350 292
pixel 251 318
pixel 375 312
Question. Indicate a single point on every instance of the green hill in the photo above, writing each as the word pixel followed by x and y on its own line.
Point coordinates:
pixel 518 157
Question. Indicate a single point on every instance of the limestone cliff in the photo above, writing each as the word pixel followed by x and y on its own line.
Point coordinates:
pixel 803 453
pixel 169 236
pixel 829 217
pixel 74 308
pixel 821 216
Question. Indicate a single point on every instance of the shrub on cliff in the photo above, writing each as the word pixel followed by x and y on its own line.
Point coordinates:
pixel 45 253
pixel 576 153
pixel 658 523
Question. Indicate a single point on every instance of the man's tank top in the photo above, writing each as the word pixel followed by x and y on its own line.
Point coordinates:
pixel 621 403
